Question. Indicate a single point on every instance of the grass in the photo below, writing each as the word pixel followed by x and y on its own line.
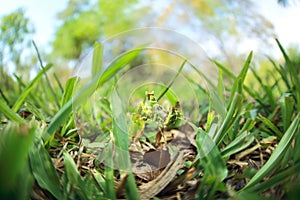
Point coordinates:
pixel 245 145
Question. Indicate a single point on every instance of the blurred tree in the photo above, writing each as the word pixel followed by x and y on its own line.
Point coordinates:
pixel 230 24
pixel 227 22
pixel 15 32
pixel 84 23
pixel 283 2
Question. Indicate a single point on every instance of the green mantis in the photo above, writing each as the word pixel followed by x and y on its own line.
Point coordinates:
pixel 152 119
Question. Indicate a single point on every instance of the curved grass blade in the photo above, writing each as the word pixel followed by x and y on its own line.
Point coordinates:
pixel 280 177
pixel 28 89
pixel 46 76
pixel 97 58
pixel 270 125
pixel 172 81
pixel 69 90
pixel 9 113
pixel 277 155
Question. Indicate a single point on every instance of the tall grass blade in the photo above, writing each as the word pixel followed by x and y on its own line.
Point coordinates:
pixel 110 192
pixel 172 81
pixel 46 76
pixel 69 90
pixel 239 81
pixel 287 104
pixel 293 74
pixel 97 58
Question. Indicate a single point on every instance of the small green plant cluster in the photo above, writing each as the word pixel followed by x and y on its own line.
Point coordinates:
pixel 246 145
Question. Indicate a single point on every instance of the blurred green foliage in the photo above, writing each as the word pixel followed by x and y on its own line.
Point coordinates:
pixel 224 21
pixel 15 32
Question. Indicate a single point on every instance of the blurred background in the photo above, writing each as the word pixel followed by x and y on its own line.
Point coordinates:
pixel 65 31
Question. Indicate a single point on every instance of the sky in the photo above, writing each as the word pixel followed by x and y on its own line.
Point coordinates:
pixel 43 15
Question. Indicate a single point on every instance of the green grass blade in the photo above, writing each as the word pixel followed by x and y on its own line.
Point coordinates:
pixel 251 92
pixel 280 177
pixel 270 125
pixel 267 89
pixel 238 144
pixel 110 192
pixel 4 97
pixel 58 82
pixel 229 119
pixel 217 97
pixel 172 81
pixel 210 156
pixel 46 76
pixel 239 81
pixel 215 170
pixel 97 58
pixel 29 88
pixel 277 155
pixel 121 141
pixel 224 69
pixel 118 64
pixel 282 73
pixel 9 113
pixel 44 171
pixel 292 72
pixel 131 188
pixel 208 81
pixel 69 90
pixel 73 176
pixel 16 142
pixel 35 111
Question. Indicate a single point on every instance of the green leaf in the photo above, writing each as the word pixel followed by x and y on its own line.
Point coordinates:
pixel 44 171
pixel 277 154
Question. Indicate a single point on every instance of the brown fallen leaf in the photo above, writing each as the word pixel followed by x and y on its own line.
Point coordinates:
pixel 152 188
